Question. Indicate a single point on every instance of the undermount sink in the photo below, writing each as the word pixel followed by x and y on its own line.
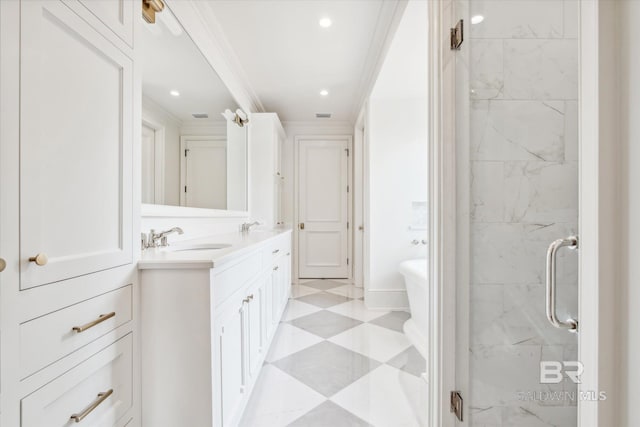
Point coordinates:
pixel 200 247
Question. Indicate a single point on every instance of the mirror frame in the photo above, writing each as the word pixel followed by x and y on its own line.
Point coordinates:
pixel 190 17
pixel 168 211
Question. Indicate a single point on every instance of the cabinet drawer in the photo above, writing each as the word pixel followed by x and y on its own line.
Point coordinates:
pixel 104 379
pixel 233 278
pixel 281 246
pixel 49 338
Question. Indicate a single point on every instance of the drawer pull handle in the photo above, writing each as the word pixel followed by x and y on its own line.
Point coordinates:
pixel 276 251
pixel 89 409
pixel 40 259
pixel 275 268
pixel 90 325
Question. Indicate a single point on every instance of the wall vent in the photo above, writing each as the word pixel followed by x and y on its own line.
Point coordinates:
pixel 200 115
pixel 323 115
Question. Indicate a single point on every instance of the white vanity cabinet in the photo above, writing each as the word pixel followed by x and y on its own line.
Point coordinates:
pixel 66 212
pixel 266 140
pixel 75 153
pixel 206 330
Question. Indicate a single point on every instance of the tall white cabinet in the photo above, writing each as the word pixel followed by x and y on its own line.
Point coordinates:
pixel 266 140
pixel 68 289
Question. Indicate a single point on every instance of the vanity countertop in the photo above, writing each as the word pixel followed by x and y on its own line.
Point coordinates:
pixel 241 243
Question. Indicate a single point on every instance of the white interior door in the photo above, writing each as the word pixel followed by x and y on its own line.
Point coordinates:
pixel 204 172
pixel 323 208
pixel 148 164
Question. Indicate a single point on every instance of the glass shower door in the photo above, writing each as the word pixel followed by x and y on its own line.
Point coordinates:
pixel 522 105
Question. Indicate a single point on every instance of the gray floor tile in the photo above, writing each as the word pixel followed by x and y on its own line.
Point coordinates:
pixel 324 299
pixel 410 361
pixel 324 323
pixel 393 320
pixel 323 284
pixel 328 414
pixel 326 367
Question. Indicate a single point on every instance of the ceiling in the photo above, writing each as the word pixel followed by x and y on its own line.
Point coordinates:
pixel 288 58
pixel 171 61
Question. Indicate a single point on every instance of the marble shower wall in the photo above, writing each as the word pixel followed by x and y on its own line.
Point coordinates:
pixel 524 194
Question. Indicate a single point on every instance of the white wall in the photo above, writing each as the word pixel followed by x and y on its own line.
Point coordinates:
pixel 397 136
pixel 629 321
pixel 396 164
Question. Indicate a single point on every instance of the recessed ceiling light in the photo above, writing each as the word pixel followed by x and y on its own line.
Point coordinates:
pixel 174 93
pixel 325 22
pixel 324 92
pixel 476 19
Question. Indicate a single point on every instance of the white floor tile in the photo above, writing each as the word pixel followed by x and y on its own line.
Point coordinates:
pixel 382 398
pixel 297 309
pixel 298 291
pixel 357 310
pixel 348 291
pixel 373 341
pixel 278 399
pixel 289 340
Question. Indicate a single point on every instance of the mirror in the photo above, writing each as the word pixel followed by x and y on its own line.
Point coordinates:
pixel 192 155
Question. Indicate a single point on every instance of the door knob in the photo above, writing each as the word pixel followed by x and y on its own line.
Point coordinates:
pixel 40 259
pixel 3 264
pixel 302 226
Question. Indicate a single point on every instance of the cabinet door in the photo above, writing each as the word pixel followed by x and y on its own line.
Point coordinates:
pixel 231 350
pixel 267 323
pixel 117 15
pixel 279 180
pixel 254 327
pixel 286 267
pixel 76 96
pixel 276 295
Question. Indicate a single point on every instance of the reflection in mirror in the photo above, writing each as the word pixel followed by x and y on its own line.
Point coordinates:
pixel 192 154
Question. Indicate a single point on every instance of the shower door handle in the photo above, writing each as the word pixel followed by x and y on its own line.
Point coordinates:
pixel 570 324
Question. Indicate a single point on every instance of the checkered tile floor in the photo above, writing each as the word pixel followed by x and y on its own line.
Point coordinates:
pixel 333 363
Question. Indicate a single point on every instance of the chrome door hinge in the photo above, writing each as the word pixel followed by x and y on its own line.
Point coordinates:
pixel 457 35
pixel 456 404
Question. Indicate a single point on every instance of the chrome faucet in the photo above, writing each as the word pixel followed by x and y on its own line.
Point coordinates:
pixel 156 240
pixel 246 227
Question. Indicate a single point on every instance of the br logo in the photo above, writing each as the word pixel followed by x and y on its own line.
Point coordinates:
pixel 551 372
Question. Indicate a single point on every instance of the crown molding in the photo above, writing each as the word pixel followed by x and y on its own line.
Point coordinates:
pixel 318 124
pixel 388 21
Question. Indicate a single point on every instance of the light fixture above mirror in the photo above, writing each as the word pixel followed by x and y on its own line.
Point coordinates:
pixel 239 117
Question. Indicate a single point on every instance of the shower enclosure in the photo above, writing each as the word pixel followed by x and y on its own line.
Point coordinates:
pixel 517 149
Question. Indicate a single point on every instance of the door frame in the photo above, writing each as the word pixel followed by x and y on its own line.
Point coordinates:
pixel 360 207
pixel 447 368
pixel 184 139
pixel 296 198
pixel 159 147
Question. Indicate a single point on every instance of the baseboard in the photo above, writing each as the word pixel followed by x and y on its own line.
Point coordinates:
pixel 386 299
